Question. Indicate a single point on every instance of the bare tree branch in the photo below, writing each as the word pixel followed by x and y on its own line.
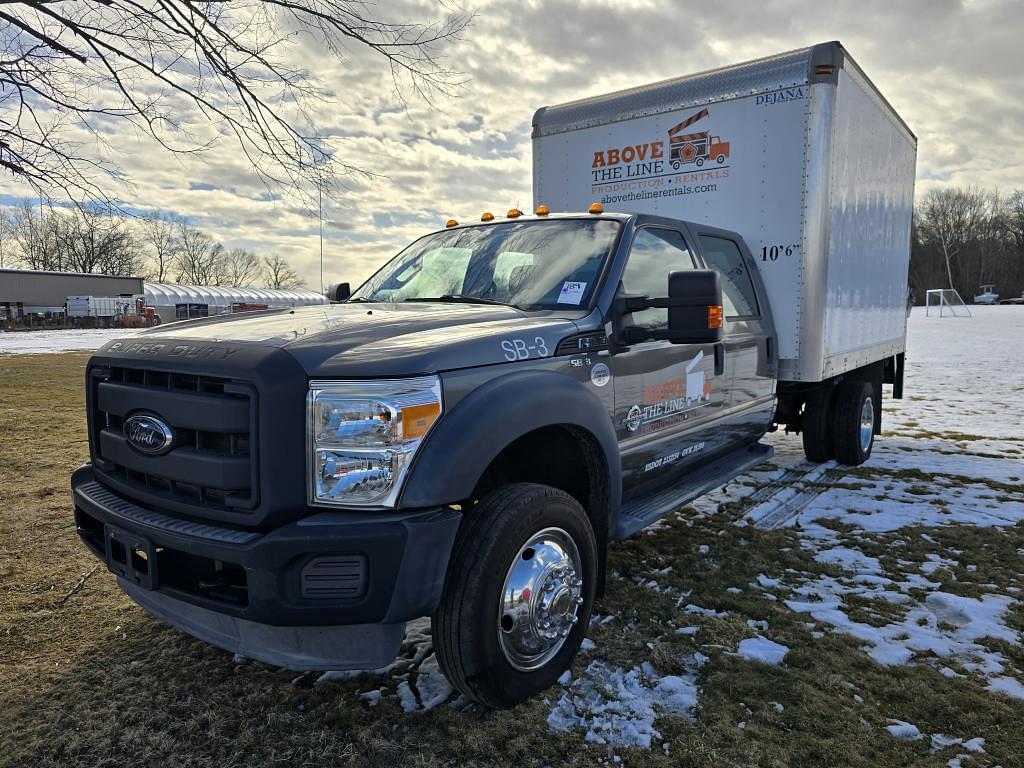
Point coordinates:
pixel 68 69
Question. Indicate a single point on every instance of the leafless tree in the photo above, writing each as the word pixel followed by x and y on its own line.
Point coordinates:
pixel 35 237
pixel 240 268
pixel 68 70
pixel 277 273
pixel 199 257
pixel 966 238
pixel 159 232
pixel 7 242
pixel 94 239
pixel 950 219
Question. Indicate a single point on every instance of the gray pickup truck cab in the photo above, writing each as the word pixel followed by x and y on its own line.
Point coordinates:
pixel 460 438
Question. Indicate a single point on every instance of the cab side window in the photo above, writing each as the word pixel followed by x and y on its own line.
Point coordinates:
pixel 654 254
pixel 738 297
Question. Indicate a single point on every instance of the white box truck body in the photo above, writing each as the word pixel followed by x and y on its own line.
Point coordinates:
pixel 100 306
pixel 798 152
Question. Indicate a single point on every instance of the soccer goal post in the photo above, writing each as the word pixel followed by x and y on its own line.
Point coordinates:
pixel 947 302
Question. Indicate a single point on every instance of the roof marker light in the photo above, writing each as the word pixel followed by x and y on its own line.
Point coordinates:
pixel 596 208
pixel 514 213
pixel 488 216
pixel 542 210
pixel 452 223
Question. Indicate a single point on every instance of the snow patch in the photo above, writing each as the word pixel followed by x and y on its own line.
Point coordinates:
pixel 47 342
pixel 762 650
pixel 901 730
pixel 1008 685
pixel 619 707
pixel 849 560
pixel 433 686
pixel 700 611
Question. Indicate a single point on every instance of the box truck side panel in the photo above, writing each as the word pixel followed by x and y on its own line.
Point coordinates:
pixel 799 153
pixel 737 164
pixel 871 201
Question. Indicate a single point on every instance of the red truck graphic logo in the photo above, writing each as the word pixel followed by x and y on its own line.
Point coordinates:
pixel 697 147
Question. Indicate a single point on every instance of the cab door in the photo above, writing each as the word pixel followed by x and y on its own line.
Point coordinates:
pixel 749 337
pixel 667 396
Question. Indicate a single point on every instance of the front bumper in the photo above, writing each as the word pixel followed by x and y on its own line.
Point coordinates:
pixel 333 580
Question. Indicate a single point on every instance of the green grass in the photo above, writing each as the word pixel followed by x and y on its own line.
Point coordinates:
pixel 88 679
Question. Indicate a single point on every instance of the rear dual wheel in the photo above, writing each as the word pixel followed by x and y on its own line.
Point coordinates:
pixel 839 423
pixel 518 594
pixel 854 422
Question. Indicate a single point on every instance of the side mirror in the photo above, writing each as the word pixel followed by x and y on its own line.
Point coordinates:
pixel 694 306
pixel 339 292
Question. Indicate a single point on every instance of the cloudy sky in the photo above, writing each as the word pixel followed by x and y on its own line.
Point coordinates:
pixel 952 69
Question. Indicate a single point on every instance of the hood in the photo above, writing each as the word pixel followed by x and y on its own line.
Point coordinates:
pixel 375 340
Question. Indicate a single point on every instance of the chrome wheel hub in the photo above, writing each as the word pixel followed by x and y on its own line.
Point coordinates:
pixel 540 599
pixel 867 423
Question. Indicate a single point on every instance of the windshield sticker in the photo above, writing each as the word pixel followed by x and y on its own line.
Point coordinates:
pixel 572 292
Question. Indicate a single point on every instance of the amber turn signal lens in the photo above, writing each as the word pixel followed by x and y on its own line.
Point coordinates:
pixel 417 419
pixel 488 216
pixel 714 316
pixel 596 208
pixel 514 213
pixel 542 210
pixel 452 223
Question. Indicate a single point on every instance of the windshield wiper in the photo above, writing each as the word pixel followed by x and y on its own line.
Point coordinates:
pixel 361 299
pixel 459 298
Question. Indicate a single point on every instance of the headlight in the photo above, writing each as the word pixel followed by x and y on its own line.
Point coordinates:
pixel 363 435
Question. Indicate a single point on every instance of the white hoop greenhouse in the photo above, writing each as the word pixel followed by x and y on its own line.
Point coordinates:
pixel 179 302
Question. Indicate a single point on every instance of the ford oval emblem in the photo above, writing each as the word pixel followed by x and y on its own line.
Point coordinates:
pixel 148 433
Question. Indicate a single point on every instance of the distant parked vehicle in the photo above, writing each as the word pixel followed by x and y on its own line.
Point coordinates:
pixel 987 295
pixel 102 311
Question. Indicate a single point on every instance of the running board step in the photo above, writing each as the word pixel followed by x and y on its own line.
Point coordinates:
pixel 641 512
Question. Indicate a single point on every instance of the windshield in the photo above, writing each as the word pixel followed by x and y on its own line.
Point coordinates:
pixel 528 264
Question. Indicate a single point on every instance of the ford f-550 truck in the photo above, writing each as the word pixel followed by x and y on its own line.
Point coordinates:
pixel 465 434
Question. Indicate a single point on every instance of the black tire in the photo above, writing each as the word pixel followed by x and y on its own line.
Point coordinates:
pixel 817 426
pixel 465 625
pixel 852 439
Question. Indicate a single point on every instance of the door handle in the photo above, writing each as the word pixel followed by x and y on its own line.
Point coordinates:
pixel 719 359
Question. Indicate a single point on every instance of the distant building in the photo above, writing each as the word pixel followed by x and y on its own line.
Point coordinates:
pixel 40 298
pixel 181 302
pixel 25 292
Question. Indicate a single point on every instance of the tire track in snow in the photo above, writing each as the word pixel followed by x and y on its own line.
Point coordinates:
pixel 781 501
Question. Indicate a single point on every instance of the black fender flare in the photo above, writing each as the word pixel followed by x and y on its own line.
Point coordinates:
pixel 448 466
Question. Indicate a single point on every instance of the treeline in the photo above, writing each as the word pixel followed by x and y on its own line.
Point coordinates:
pixel 968 237
pixel 159 247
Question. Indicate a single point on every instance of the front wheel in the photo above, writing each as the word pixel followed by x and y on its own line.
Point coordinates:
pixel 518 594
